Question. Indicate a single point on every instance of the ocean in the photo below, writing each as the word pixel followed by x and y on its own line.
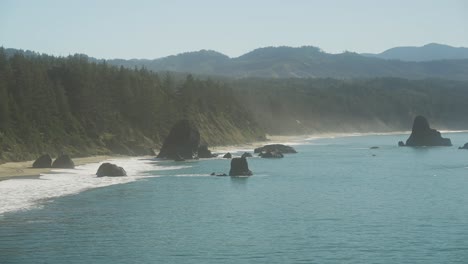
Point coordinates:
pixel 335 201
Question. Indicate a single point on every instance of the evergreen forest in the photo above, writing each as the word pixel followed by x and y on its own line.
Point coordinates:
pixel 82 107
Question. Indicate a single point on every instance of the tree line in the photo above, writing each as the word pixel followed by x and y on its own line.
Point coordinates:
pixel 80 107
pixel 70 105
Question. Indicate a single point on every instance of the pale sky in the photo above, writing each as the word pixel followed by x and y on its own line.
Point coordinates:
pixel 153 29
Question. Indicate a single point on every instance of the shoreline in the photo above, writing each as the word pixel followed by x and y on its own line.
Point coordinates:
pixel 24 169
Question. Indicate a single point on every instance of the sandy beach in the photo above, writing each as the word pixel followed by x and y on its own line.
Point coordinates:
pixel 24 169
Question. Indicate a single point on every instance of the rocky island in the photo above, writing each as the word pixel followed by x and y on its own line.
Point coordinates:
pixel 423 135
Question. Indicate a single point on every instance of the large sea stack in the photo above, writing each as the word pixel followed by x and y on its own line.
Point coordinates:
pixel 239 167
pixel 182 142
pixel 423 135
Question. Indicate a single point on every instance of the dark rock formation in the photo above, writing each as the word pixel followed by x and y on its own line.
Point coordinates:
pixel 401 144
pixel 464 146
pixel 227 156
pixel 239 167
pixel 246 155
pixel 374 147
pixel 271 154
pixel 423 135
pixel 109 169
pixel 183 141
pixel 275 147
pixel 44 161
pixel 218 174
pixel 63 162
pixel 204 152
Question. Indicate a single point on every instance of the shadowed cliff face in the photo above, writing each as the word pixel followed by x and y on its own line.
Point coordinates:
pixel 423 135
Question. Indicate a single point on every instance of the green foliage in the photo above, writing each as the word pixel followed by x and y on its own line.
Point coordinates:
pixel 72 105
pixel 55 105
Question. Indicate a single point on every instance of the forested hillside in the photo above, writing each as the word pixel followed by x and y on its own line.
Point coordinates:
pixel 70 105
pixel 301 106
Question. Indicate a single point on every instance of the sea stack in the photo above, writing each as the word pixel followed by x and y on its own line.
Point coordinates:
pixel 423 135
pixel 464 146
pixel 239 167
pixel 63 162
pixel 109 169
pixel 44 161
pixel 182 142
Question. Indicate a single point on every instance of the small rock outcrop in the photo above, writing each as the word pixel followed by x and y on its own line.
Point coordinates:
pixel 401 144
pixel 178 158
pixel 183 140
pixel 205 153
pixel 374 147
pixel 423 135
pixel 227 156
pixel 218 174
pixel 271 155
pixel 464 146
pixel 109 169
pixel 44 161
pixel 239 167
pixel 63 162
pixel 246 155
pixel 275 148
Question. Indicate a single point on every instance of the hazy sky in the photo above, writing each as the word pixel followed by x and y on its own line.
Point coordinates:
pixel 152 29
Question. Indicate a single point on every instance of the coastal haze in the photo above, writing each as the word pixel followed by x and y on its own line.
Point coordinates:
pixel 246 132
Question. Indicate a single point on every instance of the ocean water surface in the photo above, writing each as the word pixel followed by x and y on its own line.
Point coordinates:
pixel 336 201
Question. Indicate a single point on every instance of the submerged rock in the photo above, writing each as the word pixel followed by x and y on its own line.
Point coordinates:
pixel 374 147
pixel 44 161
pixel 109 169
pixel 227 156
pixel 275 147
pixel 218 174
pixel 63 162
pixel 423 135
pixel 246 155
pixel 239 167
pixel 183 140
pixel 464 146
pixel 271 154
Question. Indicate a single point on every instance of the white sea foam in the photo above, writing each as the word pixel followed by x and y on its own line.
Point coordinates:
pixel 22 194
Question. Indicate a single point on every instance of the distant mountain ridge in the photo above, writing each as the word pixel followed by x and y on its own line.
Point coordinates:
pixel 301 62
pixel 429 52
pixel 310 62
